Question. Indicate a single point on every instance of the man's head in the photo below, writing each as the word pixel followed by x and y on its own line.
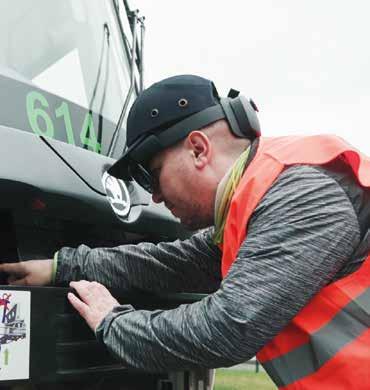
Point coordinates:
pixel 186 175
pixel 181 139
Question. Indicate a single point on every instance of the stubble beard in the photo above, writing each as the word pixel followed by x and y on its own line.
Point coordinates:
pixel 199 219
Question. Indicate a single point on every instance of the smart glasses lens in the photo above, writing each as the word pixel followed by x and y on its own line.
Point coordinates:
pixel 142 176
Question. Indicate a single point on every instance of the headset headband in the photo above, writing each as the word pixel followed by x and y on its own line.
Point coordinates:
pixel 237 110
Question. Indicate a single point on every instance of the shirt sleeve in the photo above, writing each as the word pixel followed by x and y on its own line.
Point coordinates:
pixel 192 265
pixel 300 235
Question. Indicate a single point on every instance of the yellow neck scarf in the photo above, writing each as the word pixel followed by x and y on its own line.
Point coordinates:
pixel 231 185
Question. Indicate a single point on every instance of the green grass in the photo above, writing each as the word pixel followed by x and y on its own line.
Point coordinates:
pixel 242 380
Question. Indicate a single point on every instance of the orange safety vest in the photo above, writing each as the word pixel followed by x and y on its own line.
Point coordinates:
pixel 327 344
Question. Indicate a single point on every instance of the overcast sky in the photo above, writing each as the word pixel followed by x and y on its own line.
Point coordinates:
pixel 305 63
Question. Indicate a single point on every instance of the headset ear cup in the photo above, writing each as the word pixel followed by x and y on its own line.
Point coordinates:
pixel 246 117
pixel 230 117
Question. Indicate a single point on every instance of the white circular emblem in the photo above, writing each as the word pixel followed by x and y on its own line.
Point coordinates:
pixel 117 194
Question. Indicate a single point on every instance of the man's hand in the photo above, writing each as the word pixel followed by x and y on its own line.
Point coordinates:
pixel 33 272
pixel 95 303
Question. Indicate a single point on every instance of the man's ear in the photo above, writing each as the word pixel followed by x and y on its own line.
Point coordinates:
pixel 199 145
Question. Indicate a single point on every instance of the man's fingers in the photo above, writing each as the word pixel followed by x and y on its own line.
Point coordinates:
pixel 97 288
pixel 84 290
pixel 12 268
pixel 80 306
pixel 17 274
pixel 80 285
pixel 94 301
pixel 17 282
pixel 11 278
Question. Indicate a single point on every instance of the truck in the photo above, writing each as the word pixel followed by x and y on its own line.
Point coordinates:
pixel 69 71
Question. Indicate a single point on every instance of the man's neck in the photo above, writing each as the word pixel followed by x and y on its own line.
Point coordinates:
pixel 223 182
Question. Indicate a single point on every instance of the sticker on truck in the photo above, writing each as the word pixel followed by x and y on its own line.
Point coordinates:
pixel 15 313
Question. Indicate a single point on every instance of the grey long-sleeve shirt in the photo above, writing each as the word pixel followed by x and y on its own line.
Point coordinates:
pixel 304 233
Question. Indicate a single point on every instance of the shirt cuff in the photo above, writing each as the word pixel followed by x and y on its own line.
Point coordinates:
pixel 54 268
pixel 102 329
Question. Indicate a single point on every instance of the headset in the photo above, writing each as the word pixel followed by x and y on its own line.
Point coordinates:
pixel 239 112
pixel 241 115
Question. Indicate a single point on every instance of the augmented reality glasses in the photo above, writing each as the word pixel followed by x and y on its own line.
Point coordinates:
pixel 142 176
pixel 134 162
pixel 148 146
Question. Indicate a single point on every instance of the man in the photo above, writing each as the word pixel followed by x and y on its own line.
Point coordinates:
pixel 286 265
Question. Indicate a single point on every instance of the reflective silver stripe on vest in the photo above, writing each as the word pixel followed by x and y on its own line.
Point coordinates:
pixel 344 328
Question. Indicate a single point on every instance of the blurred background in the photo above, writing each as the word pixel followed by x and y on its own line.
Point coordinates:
pixel 305 63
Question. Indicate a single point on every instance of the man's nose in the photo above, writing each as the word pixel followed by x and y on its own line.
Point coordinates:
pixel 157 196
